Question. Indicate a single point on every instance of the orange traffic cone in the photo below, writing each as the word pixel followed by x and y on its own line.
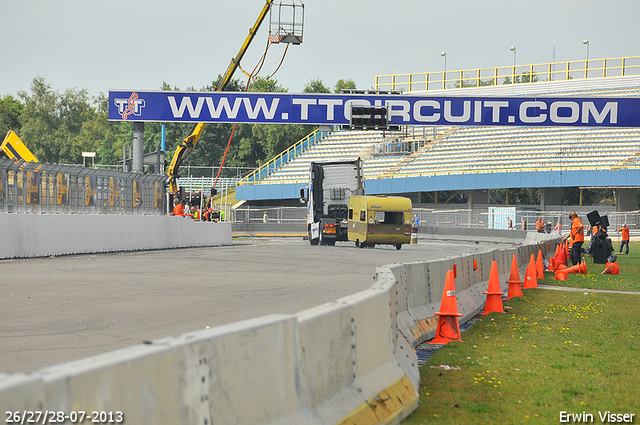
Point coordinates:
pixel 514 280
pixel 561 274
pixel 530 278
pixel 561 256
pixel 611 268
pixel 494 296
pixel 578 268
pixel 448 326
pixel 540 266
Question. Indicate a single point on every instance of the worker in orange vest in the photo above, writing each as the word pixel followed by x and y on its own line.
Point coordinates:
pixel 577 238
pixel 540 225
pixel 178 207
pixel 625 238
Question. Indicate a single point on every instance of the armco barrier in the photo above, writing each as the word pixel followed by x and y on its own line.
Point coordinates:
pixel 349 361
pixel 36 235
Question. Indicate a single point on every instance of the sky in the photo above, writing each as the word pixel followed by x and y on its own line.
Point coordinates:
pixel 137 45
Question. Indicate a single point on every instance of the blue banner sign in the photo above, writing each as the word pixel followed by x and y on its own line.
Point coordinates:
pixel 335 109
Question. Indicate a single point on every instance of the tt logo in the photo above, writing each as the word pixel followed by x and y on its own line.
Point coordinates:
pixel 131 106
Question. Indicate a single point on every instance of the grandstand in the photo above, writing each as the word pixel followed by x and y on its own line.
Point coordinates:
pixel 467 158
pixel 488 149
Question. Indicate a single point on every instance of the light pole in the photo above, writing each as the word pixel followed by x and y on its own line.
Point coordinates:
pixel 586 62
pixel 586 41
pixel 444 74
pixel 513 49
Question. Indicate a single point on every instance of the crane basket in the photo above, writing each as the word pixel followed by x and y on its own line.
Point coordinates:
pixel 286 22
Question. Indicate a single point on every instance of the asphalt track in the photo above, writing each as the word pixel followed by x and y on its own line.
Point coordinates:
pixel 58 309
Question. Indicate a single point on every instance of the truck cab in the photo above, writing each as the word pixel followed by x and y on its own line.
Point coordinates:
pixel 331 185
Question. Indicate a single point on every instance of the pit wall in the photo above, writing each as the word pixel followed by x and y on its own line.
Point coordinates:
pixel 350 361
pixel 37 235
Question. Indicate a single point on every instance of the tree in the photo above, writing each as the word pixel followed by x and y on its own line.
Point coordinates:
pixel 525 77
pixel 266 84
pixel 316 86
pixel 52 122
pixel 344 84
pixel 275 138
pixel 105 137
pixel 10 111
pixel 233 85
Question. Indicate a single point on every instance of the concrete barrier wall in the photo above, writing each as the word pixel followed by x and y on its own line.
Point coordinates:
pixel 37 235
pixel 269 229
pixel 422 283
pixel 350 361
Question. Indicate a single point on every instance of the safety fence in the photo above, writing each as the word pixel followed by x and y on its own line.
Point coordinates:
pixel 31 187
pixel 492 217
pixel 496 217
pixel 554 71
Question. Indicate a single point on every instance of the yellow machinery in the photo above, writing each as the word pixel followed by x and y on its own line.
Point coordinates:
pixel 16 149
pixel 190 141
pixel 379 220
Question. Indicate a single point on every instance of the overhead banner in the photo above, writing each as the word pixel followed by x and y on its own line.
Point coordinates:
pixel 335 109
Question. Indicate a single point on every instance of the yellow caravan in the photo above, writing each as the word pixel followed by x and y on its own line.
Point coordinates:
pixel 379 220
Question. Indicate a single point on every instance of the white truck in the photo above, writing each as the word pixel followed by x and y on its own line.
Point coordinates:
pixel 331 184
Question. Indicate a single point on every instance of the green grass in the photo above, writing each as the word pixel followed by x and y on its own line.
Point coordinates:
pixel 552 351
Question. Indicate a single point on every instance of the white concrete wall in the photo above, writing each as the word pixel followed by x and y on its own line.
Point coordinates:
pixel 37 235
pixel 349 361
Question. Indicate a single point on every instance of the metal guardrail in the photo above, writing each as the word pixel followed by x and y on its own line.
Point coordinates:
pixel 28 187
pixel 553 71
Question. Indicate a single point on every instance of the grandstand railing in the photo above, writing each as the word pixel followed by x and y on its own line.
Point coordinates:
pixel 284 157
pixel 553 71
pixel 31 187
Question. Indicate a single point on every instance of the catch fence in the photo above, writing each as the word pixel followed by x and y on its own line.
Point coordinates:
pixel 31 187
pixel 480 217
